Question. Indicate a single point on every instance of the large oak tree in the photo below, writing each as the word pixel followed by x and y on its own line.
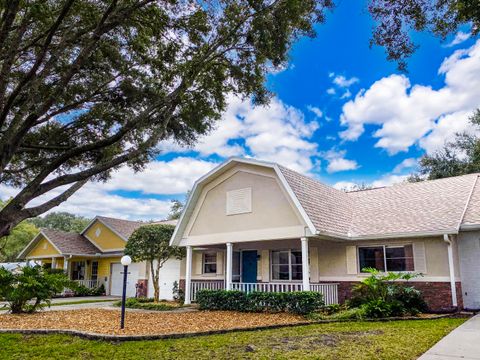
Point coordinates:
pixel 89 85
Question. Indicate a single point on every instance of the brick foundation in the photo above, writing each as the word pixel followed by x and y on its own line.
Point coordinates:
pixel 437 294
pixel 142 288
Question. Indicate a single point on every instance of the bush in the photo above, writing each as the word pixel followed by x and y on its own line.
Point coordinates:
pixel 30 289
pixel 302 302
pixel 145 304
pixel 380 295
pixel 82 290
pixel 178 294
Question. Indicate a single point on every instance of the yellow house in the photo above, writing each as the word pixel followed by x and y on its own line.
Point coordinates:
pixel 92 257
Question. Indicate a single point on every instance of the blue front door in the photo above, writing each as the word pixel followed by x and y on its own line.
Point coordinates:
pixel 249 266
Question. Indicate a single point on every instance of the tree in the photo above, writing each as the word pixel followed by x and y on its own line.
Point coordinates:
pixel 397 18
pixel 459 157
pixel 176 208
pixel 20 236
pixel 151 243
pixel 63 221
pixel 89 85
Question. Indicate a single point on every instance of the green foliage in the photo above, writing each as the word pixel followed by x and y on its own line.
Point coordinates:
pixel 63 221
pixel 19 237
pixel 301 302
pixel 146 304
pixel 151 243
pixel 178 293
pixel 30 289
pixel 458 157
pixel 397 19
pixel 383 295
pixel 87 86
pixel 82 290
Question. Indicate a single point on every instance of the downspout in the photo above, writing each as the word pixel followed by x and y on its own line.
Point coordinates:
pixel 451 268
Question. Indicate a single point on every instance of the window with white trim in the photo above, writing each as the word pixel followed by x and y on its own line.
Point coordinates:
pixel 386 257
pixel 210 263
pixel 286 265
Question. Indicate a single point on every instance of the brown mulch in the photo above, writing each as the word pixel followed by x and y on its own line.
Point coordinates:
pixel 101 321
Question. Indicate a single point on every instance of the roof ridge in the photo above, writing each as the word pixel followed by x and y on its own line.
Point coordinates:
pixel 467 203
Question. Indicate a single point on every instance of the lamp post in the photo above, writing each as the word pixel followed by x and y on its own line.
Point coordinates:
pixel 126 260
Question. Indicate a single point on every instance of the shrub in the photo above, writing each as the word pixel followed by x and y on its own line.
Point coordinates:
pixel 178 294
pixel 381 296
pixel 302 302
pixel 30 289
pixel 82 290
pixel 145 304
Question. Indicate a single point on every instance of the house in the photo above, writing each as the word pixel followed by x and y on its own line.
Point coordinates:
pixel 253 225
pixel 92 257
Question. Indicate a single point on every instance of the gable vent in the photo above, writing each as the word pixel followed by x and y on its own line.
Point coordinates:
pixel 239 201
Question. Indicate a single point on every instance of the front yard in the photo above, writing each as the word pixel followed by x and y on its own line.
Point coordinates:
pixel 345 340
pixel 348 340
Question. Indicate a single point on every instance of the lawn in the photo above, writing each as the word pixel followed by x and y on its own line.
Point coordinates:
pixel 348 340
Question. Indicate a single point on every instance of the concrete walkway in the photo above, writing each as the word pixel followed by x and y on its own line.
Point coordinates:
pixel 461 343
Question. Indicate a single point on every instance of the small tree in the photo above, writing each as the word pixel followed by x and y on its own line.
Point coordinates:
pixel 151 243
pixel 30 289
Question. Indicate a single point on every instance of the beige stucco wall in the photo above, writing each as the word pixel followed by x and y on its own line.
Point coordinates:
pixel 328 259
pixel 272 210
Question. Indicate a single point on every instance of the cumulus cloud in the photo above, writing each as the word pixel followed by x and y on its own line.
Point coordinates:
pixel 407 114
pixel 345 185
pixel 331 91
pixel 337 162
pixel 344 82
pixel 389 180
pixel 276 132
pixel 315 110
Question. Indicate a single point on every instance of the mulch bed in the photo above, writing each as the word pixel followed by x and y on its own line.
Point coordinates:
pixel 102 321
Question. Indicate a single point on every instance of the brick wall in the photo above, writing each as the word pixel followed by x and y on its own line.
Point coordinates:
pixel 437 294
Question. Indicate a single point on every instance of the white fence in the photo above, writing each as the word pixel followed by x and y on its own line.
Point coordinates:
pixel 329 291
pixel 91 284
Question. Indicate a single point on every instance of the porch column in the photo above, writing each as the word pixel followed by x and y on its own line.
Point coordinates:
pixel 66 266
pixel 188 275
pixel 305 266
pixel 228 272
pixel 451 269
pixel 54 263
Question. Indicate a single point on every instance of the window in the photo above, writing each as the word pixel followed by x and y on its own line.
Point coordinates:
pixel 210 263
pixel 386 258
pixel 287 265
pixel 78 270
pixel 94 274
pixel 236 266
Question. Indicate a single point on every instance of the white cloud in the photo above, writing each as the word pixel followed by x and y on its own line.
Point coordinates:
pixel 345 185
pixel 160 177
pixel 389 180
pixel 346 94
pixel 331 91
pixel 404 114
pixel 337 162
pixel 315 110
pixel 343 82
pixel 459 38
pixel 408 163
pixel 276 132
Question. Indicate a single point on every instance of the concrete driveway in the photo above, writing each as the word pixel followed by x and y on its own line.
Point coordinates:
pixel 461 343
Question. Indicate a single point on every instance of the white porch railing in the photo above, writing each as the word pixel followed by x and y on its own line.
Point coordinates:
pixel 205 285
pixel 91 284
pixel 267 287
pixel 329 291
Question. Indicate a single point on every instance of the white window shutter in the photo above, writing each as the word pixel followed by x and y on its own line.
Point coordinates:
pixel 419 260
pixel 219 262
pixel 351 254
pixel 265 261
pixel 198 263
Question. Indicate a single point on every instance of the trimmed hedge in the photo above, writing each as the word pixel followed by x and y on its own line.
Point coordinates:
pixel 301 302
pixel 146 304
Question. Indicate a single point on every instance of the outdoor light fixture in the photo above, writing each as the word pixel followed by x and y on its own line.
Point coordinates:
pixel 126 260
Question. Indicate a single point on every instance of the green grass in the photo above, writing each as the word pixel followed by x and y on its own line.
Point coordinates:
pixel 79 302
pixel 348 340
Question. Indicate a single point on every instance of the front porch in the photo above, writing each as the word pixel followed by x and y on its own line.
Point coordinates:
pixel 267 266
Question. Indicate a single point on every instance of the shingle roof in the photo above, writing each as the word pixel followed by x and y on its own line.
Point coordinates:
pixel 70 243
pixel 126 227
pixel 434 206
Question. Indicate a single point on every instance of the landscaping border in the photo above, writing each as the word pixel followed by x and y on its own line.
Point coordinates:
pixel 121 338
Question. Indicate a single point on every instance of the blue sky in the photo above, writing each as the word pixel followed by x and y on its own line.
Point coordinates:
pixel 341 113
